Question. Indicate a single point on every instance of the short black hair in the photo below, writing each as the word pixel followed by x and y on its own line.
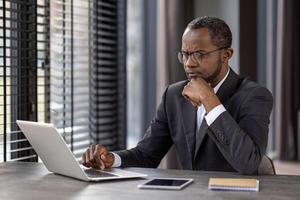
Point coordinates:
pixel 219 31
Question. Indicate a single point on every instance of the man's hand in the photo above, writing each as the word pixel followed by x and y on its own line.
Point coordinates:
pixel 97 157
pixel 198 91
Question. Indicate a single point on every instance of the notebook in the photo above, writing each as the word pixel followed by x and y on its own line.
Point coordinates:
pixel 234 184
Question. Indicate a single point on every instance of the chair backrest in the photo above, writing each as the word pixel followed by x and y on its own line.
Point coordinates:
pixel 266 166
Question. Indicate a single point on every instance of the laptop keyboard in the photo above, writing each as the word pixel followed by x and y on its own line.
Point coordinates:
pixel 97 174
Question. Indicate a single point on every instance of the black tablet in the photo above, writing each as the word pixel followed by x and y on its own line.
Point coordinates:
pixel 166 183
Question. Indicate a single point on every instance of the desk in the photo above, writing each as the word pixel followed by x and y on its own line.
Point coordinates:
pixel 32 181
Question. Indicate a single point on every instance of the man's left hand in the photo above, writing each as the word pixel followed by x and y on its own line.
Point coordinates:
pixel 198 92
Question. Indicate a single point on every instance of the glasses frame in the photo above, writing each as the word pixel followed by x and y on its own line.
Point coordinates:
pixel 198 58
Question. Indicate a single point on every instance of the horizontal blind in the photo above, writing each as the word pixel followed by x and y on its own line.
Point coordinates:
pixel 108 77
pixel 43 56
pixel 19 75
pixel 69 62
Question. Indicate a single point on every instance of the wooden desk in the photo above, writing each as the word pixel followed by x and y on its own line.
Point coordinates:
pixel 33 181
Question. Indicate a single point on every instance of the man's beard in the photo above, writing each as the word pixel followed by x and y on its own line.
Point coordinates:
pixel 212 79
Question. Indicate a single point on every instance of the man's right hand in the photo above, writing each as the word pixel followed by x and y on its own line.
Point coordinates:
pixel 97 157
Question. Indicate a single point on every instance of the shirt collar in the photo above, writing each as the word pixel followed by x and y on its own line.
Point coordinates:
pixel 216 88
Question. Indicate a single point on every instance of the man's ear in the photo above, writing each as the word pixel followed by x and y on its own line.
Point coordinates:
pixel 227 54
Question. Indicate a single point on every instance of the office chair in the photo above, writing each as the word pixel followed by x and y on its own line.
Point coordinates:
pixel 266 166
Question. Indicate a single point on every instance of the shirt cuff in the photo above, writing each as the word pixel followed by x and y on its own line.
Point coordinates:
pixel 117 160
pixel 214 114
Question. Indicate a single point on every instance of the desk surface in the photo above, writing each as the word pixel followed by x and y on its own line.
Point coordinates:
pixel 33 181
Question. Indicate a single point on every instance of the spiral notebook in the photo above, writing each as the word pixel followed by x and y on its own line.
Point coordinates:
pixel 234 184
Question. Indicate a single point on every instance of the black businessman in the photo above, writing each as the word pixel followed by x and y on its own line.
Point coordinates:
pixel 217 120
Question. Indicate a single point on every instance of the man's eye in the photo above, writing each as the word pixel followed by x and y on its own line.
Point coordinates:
pixel 198 54
pixel 185 55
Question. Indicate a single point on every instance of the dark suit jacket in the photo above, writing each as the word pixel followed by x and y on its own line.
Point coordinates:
pixel 235 141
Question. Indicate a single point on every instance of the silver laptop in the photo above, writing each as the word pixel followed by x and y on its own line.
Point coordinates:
pixel 58 158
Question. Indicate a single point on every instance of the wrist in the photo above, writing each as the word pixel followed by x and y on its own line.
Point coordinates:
pixel 112 158
pixel 211 103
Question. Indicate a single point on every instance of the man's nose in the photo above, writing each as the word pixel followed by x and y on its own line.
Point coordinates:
pixel 191 63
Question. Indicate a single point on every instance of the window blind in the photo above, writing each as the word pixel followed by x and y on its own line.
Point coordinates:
pixel 22 74
pixel 70 71
pixel 88 72
pixel 108 73
pixel 85 65
pixel 43 56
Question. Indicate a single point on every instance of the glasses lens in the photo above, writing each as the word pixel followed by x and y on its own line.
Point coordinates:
pixel 180 57
pixel 197 56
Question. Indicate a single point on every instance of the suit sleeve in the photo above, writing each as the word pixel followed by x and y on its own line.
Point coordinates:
pixel 154 145
pixel 243 141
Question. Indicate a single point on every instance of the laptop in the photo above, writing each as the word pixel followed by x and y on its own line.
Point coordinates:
pixel 58 158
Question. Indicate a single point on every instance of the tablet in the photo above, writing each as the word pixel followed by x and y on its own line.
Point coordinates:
pixel 166 183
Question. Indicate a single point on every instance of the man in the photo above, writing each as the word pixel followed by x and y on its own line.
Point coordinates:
pixel 216 119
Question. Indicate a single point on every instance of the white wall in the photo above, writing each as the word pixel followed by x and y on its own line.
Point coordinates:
pixel 228 10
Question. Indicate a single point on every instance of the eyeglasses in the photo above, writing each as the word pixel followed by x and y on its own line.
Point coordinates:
pixel 196 56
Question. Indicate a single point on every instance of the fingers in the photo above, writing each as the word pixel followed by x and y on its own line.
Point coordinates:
pixel 194 104
pixel 190 100
pixel 110 158
pixel 102 150
pixel 106 157
pixel 197 90
pixel 91 156
pixel 199 83
pixel 96 156
pixel 190 95
pixel 88 157
pixel 83 161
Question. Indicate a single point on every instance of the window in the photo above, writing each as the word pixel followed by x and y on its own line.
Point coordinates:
pixel 23 73
pixel 88 72
pixel 62 61
pixel 108 73
pixel 134 71
pixel 69 29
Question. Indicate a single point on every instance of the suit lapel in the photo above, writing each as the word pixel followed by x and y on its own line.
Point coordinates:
pixel 200 136
pixel 229 86
pixel 189 117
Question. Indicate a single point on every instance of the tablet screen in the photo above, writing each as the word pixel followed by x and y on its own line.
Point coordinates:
pixel 166 183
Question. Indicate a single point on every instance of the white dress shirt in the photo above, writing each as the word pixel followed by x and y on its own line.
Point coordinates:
pixel 209 117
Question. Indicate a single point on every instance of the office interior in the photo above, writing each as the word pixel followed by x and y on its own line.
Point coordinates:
pixel 96 69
